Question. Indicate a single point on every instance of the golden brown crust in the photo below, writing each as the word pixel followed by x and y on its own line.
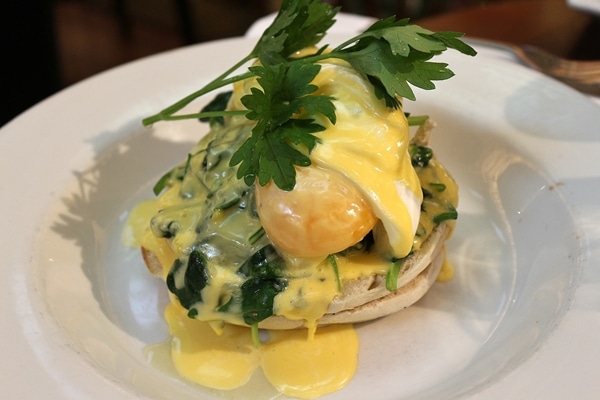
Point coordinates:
pixel 367 298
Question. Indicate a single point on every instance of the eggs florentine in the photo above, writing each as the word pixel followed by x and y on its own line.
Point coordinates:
pixel 258 255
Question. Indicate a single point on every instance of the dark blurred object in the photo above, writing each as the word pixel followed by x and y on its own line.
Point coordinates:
pixel 30 70
pixel 549 24
pixel 406 8
pixel 198 20
pixel 95 35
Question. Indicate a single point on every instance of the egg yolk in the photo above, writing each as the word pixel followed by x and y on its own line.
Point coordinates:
pixel 324 214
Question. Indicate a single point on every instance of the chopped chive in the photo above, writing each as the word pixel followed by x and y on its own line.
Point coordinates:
pixel 438 187
pixel 448 215
pixel 255 337
pixel 256 236
pixel 229 202
pixel 161 184
pixel 391 279
pixel 417 120
pixel 187 164
pixel 336 271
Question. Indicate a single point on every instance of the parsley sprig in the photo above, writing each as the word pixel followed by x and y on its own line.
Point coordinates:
pixel 299 24
pixel 272 150
pixel 391 54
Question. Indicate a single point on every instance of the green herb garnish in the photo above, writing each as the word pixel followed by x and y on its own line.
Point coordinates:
pixel 438 187
pixel 336 271
pixel 391 278
pixel 195 278
pixel 420 155
pixel 446 216
pixel 218 104
pixel 264 273
pixel 391 54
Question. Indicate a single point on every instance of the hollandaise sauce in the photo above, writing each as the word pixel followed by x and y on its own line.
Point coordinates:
pixel 301 363
pixel 294 363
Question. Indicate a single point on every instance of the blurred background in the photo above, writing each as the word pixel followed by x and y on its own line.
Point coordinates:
pixel 51 44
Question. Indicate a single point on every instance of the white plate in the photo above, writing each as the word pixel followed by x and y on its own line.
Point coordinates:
pixel 520 320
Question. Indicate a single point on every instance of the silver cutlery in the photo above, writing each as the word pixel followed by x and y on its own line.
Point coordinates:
pixel 581 75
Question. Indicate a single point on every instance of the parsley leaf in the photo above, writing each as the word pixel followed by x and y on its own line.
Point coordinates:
pixel 283 135
pixel 391 54
pixel 299 24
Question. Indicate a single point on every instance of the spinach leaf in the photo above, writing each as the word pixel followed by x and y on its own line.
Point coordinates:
pixel 219 103
pixel 265 263
pixel 195 278
pixel 264 270
pixel 420 155
pixel 258 296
